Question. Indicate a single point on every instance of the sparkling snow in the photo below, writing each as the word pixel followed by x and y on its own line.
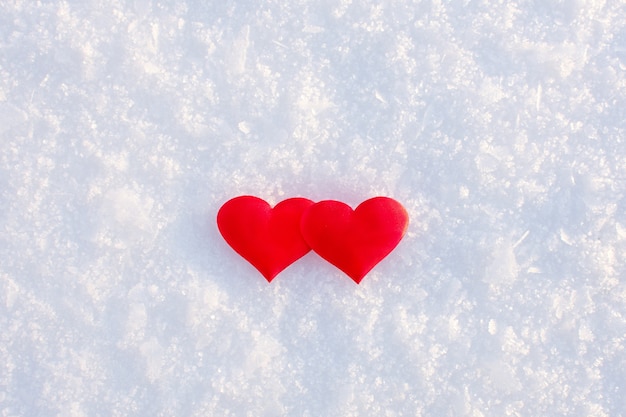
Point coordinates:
pixel 126 124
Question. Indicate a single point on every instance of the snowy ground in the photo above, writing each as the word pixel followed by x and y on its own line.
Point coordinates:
pixel 500 126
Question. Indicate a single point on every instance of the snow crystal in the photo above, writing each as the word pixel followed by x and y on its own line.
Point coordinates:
pixel 498 125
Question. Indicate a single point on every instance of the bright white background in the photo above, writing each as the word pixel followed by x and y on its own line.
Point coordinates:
pixel 125 125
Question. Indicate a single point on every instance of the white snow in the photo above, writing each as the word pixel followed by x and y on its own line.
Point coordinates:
pixel 500 126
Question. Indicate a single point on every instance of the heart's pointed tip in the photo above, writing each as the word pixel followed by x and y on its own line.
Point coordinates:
pixel 269 272
pixel 357 276
pixel 269 275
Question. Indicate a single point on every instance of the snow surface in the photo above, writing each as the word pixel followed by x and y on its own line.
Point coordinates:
pixel 125 125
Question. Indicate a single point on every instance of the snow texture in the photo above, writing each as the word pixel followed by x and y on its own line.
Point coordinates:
pixel 126 124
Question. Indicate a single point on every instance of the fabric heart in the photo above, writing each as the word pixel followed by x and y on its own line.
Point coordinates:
pixel 268 238
pixel 354 240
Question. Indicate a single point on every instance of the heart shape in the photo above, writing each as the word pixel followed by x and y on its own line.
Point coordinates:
pixel 354 240
pixel 269 238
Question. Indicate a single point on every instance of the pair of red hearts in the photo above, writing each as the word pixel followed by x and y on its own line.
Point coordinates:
pixel 271 239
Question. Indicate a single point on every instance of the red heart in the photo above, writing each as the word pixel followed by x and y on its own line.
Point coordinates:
pixel 268 238
pixel 354 241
